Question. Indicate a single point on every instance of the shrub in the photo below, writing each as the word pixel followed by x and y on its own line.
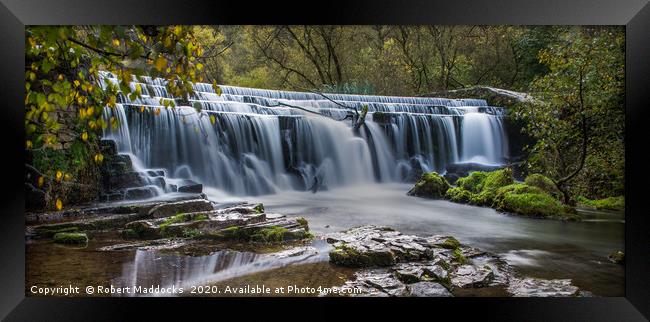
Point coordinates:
pixel 430 185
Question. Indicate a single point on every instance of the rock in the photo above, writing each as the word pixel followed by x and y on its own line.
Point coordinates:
pixel 420 271
pixel 102 222
pixel 189 186
pixel 173 208
pixel 430 185
pixel 542 288
pixel 358 255
pixel 617 257
pixel 108 146
pixel 70 238
pixel 455 171
pixel 139 193
pixel 126 180
pixel 158 244
pixel 469 276
pixel 427 289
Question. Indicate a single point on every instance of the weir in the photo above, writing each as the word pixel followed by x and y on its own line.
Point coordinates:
pixel 259 145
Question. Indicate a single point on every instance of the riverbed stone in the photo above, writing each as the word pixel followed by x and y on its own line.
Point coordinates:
pixel 189 186
pixel 470 276
pixel 173 208
pixel 536 287
pixel 427 289
pixel 431 185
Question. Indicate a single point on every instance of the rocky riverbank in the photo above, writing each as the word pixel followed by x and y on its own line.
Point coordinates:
pixel 394 264
pixel 385 262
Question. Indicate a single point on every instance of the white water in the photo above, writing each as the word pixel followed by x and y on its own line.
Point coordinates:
pixel 257 147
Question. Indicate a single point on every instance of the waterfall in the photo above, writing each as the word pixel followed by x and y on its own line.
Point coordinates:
pixel 259 146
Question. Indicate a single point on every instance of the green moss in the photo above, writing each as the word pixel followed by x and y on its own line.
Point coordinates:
pixel 259 208
pixel 303 222
pixel 50 231
pixel 179 218
pixel 515 188
pixel 543 183
pixel 268 235
pixel 191 233
pixel 532 204
pixel 611 203
pixel 497 179
pixel 70 238
pixel 473 182
pixel 458 194
pixel 430 185
pixel 450 243
pixel 344 255
pixel 458 256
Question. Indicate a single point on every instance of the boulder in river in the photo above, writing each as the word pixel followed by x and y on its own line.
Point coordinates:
pixel 431 185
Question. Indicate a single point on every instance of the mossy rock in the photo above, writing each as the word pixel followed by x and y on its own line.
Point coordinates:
pixel 267 235
pixel 473 182
pixel 545 184
pixel 458 194
pixel 449 243
pixel 344 255
pixel 611 203
pixel 497 179
pixel 431 185
pixel 532 204
pixel 70 238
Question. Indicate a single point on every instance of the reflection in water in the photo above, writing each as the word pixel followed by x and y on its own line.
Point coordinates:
pixel 152 268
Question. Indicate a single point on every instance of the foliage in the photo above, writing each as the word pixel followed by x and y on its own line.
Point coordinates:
pixel 579 126
pixel 65 97
pixel 531 204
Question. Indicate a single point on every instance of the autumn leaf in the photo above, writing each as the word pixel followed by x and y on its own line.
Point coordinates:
pixel 28 144
pixel 59 175
pixel 99 158
pixel 59 204
pixel 161 63
pixel 84 136
pixel 157 111
pixel 41 181
pixel 141 108
pixel 213 119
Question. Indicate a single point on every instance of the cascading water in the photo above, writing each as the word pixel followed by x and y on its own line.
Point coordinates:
pixel 259 145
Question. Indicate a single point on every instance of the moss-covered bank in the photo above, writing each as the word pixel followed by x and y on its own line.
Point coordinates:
pixel 537 196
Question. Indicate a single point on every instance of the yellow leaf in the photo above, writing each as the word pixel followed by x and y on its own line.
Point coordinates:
pixel 161 63
pixel 60 77
pixel 90 111
pixel 67 177
pixel 41 181
pixel 59 175
pixel 141 108
pixel 99 158
pixel 76 83
pixel 84 136
pixel 213 119
pixel 59 204
pixel 157 111
pixel 116 42
pixel 28 144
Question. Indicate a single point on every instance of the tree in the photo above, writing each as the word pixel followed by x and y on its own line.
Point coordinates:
pixel 64 94
pixel 582 109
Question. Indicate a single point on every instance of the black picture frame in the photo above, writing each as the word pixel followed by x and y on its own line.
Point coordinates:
pixel 634 14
